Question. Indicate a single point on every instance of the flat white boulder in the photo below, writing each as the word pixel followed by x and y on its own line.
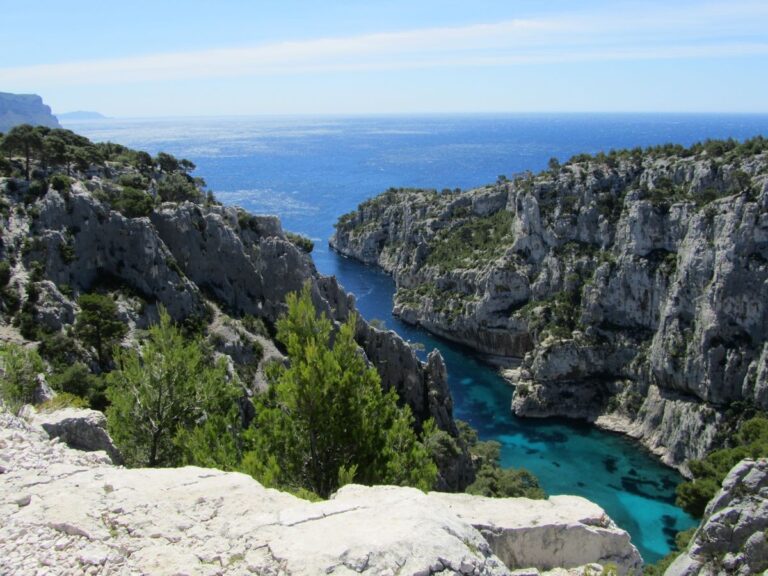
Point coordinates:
pixel 70 512
pixel 562 531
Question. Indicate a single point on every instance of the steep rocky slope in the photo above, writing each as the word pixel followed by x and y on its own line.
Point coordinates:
pixel 18 109
pixel 207 265
pixel 628 288
pixel 733 536
pixel 67 512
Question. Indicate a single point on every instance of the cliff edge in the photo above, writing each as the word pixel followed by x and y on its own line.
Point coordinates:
pixel 628 289
pixel 18 109
pixel 68 512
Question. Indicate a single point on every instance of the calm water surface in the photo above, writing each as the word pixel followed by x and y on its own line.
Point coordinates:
pixel 309 171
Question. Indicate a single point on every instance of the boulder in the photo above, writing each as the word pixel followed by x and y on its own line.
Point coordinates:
pixel 70 512
pixel 562 531
pixel 79 428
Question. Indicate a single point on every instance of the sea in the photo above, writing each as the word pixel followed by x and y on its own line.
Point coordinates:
pixel 311 170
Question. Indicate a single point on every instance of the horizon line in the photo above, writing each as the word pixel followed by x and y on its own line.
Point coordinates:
pixel 264 115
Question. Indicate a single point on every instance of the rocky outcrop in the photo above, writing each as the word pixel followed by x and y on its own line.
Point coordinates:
pixel 629 289
pixel 70 512
pixel 185 256
pixel 18 109
pixel 80 429
pixel 733 536
pixel 562 531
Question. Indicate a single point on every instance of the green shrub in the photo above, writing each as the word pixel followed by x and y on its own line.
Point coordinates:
pixel 750 441
pixel 178 187
pixel 20 367
pixel 134 203
pixel 58 349
pixel 301 242
pixel 78 381
pixel 10 299
pixel 133 180
pixel 157 393
pixel 97 325
pixel 5 273
pixel 255 325
pixel 326 418
pixel 62 400
pixel 61 183
pixel 37 189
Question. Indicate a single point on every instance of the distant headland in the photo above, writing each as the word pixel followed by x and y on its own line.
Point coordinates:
pixel 81 115
pixel 18 109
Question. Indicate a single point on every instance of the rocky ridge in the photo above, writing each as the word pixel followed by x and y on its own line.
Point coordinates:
pixel 733 536
pixel 18 109
pixel 204 263
pixel 67 511
pixel 628 289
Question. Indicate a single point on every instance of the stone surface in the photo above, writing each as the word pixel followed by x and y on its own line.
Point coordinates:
pixel 185 256
pixel 79 428
pixel 632 290
pixel 66 512
pixel 733 536
pixel 562 531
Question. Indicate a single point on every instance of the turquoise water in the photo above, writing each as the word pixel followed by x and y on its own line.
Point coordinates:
pixel 309 171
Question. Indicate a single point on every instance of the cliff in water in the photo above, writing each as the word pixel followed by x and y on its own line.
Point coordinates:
pixel 18 109
pixel 629 289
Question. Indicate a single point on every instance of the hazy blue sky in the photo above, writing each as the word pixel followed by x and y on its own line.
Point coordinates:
pixel 150 58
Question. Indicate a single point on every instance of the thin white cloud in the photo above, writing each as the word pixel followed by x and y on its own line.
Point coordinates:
pixel 709 30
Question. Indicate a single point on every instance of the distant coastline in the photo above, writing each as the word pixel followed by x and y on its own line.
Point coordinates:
pixel 78 115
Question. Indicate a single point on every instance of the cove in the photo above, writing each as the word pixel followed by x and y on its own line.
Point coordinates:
pixel 568 456
pixel 311 170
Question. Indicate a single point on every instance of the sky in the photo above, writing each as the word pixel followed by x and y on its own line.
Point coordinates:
pixel 235 57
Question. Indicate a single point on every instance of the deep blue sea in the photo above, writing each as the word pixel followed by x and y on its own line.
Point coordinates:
pixel 309 171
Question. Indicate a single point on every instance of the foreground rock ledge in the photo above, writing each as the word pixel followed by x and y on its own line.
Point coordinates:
pixel 66 511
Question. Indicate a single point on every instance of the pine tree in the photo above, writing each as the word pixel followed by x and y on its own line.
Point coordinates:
pixel 325 419
pixel 161 392
pixel 98 325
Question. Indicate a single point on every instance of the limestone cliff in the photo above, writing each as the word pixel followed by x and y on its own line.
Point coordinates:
pixel 204 263
pixel 70 512
pixel 628 288
pixel 733 536
pixel 18 109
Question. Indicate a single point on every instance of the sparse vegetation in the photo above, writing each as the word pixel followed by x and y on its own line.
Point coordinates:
pixel 749 441
pixel 302 242
pixel 472 241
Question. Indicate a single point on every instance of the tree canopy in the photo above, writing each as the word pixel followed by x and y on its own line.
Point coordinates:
pixel 157 393
pixel 325 420
pixel 98 325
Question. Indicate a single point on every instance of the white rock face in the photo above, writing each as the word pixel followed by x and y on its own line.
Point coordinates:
pixel 80 429
pixel 70 512
pixel 634 287
pixel 733 536
pixel 563 531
